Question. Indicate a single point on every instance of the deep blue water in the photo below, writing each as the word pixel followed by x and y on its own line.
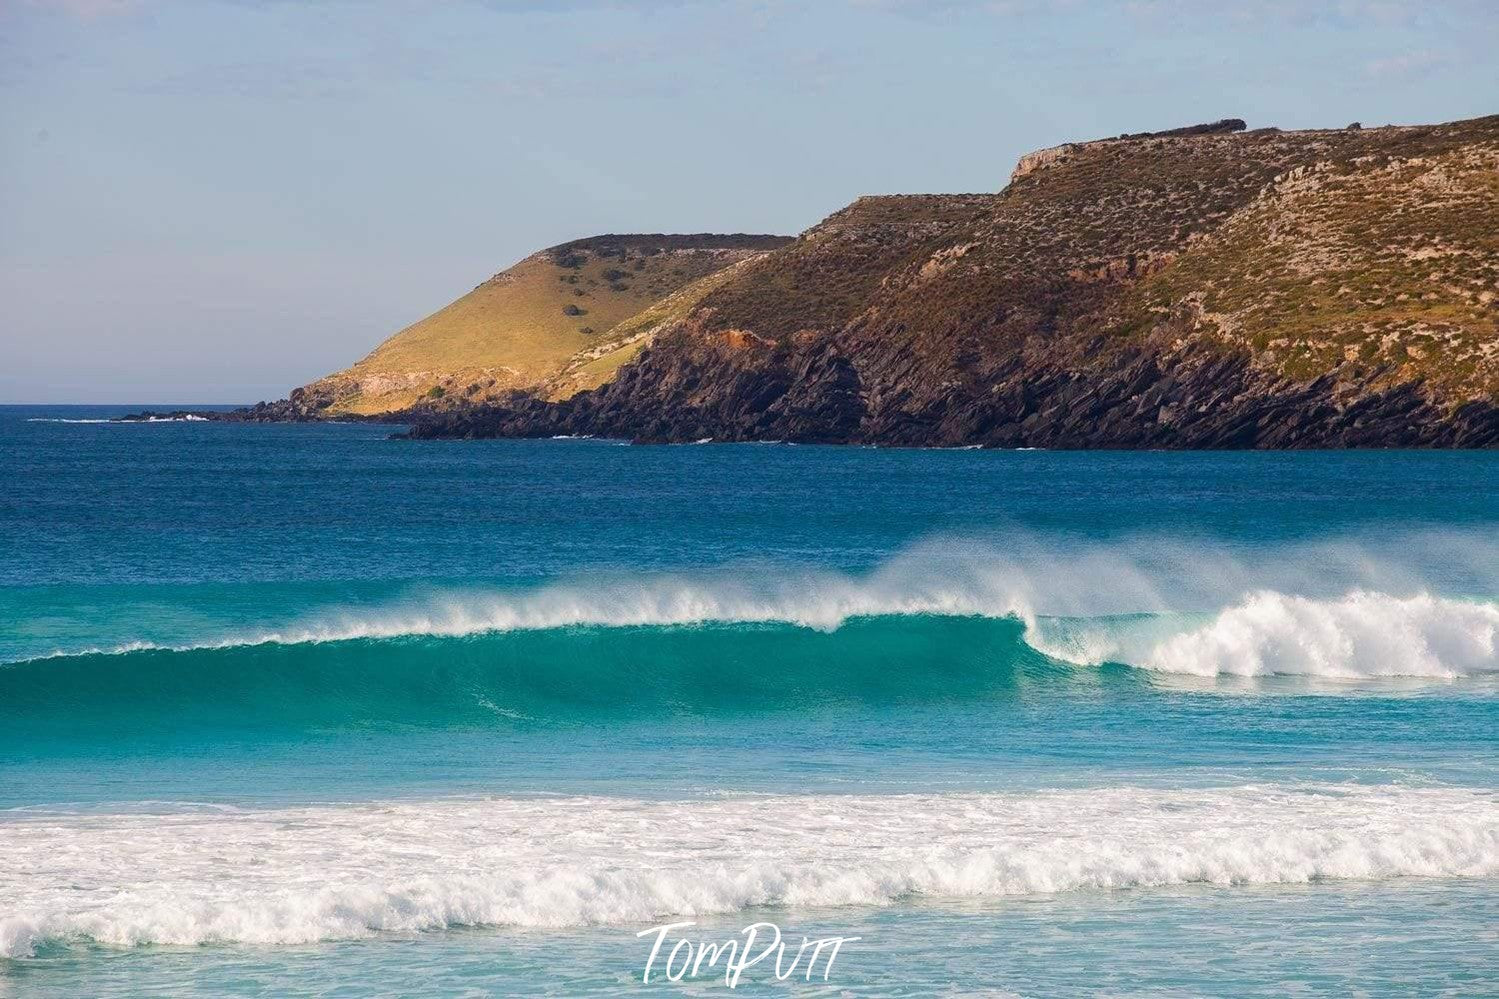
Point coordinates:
pixel 282 704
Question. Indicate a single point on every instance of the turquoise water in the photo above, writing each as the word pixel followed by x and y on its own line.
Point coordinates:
pixel 302 710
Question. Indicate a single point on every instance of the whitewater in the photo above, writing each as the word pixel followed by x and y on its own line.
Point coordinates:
pixel 289 876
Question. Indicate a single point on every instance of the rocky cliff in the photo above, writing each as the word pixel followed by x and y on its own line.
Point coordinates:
pixel 1203 287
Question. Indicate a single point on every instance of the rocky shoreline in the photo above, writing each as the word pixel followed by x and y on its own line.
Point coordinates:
pixel 301 406
pixel 1149 402
pixel 1155 403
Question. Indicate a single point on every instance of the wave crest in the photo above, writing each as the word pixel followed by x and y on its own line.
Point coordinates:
pixel 1361 635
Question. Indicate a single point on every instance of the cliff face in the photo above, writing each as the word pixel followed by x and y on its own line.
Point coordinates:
pixel 1207 287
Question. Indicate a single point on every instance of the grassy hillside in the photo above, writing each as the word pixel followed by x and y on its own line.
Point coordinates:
pixel 521 328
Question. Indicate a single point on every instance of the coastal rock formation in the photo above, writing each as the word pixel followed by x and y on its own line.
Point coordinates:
pixel 1203 287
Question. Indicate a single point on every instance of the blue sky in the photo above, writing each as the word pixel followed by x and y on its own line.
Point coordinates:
pixel 217 200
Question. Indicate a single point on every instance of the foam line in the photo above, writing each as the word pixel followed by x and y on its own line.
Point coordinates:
pixel 295 875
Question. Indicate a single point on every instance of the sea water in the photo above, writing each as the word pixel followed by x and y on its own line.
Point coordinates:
pixel 304 710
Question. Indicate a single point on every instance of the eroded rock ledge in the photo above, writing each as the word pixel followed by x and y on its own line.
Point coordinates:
pixel 1186 399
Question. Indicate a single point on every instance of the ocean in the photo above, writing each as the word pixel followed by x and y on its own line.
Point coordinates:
pixel 302 710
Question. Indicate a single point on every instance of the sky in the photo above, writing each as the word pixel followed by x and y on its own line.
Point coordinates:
pixel 218 200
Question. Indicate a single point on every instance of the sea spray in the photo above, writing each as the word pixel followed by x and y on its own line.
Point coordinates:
pixel 1360 635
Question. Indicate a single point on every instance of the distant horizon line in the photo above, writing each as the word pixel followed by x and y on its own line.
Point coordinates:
pixel 80 405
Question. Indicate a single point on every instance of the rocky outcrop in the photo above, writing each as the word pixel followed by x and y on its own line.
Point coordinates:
pixel 1222 126
pixel 1043 158
pixel 1054 155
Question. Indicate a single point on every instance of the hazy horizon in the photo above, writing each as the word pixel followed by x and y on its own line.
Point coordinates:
pixel 223 200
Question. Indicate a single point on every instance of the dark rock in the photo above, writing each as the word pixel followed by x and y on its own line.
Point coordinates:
pixel 1221 127
pixel 815 397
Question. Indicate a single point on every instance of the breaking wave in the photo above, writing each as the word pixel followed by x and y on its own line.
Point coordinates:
pixel 931 624
pixel 193 876
pixel 1358 636
pixel 463 668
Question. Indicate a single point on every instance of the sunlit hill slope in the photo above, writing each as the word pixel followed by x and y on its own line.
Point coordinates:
pixel 552 323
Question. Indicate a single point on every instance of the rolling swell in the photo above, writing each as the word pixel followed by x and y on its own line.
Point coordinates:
pixel 526 676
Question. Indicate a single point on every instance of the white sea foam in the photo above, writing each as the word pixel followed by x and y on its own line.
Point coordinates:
pixel 294 875
pixel 1358 636
pixel 1361 635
